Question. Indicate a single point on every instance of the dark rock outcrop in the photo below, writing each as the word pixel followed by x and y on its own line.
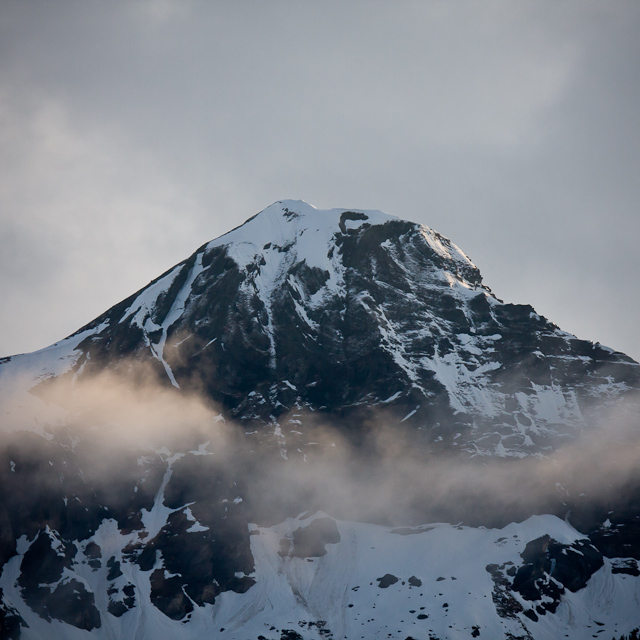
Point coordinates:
pixel 311 541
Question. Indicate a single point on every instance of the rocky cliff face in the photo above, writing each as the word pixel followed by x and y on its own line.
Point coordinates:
pixel 298 323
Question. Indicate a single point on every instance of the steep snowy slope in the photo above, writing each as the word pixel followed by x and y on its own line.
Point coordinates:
pixel 365 581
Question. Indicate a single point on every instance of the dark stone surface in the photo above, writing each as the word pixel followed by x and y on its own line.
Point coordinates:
pixel 168 597
pixel 40 583
pixel 548 569
pixel 627 566
pixel 506 605
pixel 207 561
pixel 70 602
pixel 574 565
pixel 290 634
pixel 311 541
pixel 11 622
pixel 117 608
pixel 93 551
pixel 42 564
pixel 201 563
pixel 547 562
pixel 387 580
pixel 121 600
pixel 114 568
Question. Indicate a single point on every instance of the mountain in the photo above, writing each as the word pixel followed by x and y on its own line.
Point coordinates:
pixel 342 312
pixel 320 425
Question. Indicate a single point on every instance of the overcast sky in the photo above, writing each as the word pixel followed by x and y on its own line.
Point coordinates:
pixel 133 132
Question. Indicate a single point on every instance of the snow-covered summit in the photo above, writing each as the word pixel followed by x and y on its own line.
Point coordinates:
pixel 292 224
pixel 286 220
pixel 308 232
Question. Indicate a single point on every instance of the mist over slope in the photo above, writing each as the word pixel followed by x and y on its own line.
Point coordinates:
pixel 216 453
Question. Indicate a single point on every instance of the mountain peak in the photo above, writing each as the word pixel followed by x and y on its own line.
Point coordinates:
pixel 312 233
pixel 294 221
pixel 347 311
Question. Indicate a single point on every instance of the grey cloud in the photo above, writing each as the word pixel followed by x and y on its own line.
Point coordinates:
pixel 509 127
